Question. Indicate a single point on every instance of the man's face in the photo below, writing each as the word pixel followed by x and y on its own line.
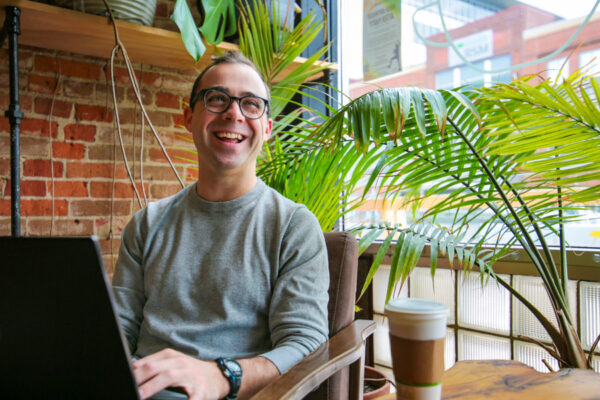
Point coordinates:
pixel 229 142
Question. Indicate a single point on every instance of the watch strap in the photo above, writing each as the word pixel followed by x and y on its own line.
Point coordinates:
pixel 232 371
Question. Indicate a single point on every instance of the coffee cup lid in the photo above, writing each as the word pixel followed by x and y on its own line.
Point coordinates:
pixel 415 306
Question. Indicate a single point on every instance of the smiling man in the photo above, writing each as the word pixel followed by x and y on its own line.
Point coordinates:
pixel 223 286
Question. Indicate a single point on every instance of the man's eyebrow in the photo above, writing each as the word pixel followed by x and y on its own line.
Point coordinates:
pixel 224 89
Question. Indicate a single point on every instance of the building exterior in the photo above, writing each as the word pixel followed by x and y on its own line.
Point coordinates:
pixel 495 41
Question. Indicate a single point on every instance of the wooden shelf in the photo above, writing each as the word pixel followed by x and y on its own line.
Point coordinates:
pixel 56 28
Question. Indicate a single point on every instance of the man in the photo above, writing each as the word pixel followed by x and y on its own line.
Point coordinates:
pixel 227 269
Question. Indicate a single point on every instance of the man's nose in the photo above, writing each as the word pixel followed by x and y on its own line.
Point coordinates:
pixel 234 111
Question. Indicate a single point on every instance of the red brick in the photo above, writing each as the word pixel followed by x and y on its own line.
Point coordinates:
pixel 59 109
pixel 61 227
pixel 101 152
pixel 25 58
pixel 80 132
pixel 121 190
pixel 159 191
pixel 34 147
pixel 191 174
pixel 4 124
pixel 178 121
pixel 4 225
pixel 70 189
pixel 81 208
pixel 38 226
pixel 74 227
pixel 5 207
pixel 174 83
pixel 92 113
pixel 103 228
pixel 145 94
pixel 151 79
pixel 72 68
pixel 104 93
pixel 147 78
pixel 4 167
pixel 68 150
pixel 43 207
pixel 28 188
pixel 42 84
pixel 42 168
pixel 160 118
pixel 73 88
pixel 23 80
pixel 160 173
pixel 94 170
pixel 128 115
pixel 38 127
pixel 25 101
pixel 167 100
pixel 176 155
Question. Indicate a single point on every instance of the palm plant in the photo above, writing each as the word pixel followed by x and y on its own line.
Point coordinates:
pixel 504 162
pixel 509 157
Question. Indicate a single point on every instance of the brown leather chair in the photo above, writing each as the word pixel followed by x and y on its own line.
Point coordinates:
pixel 336 367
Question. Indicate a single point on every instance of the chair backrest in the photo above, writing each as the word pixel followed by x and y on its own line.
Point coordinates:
pixel 342 250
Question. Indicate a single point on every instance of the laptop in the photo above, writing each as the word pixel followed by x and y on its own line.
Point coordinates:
pixel 59 333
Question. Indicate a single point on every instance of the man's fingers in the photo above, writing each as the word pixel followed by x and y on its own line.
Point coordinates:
pixel 156 372
pixel 156 384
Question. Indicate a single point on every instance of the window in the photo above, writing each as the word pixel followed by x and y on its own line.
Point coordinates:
pixel 496 40
pixel 493 39
pixel 466 75
pixel 591 61
pixel 558 69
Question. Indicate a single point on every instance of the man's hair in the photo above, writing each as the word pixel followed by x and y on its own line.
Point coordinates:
pixel 230 57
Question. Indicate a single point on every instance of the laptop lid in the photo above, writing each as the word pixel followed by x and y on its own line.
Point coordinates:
pixel 59 334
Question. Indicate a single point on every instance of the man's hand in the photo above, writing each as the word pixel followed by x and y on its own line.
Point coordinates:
pixel 200 380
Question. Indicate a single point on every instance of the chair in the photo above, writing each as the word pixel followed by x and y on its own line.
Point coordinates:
pixel 336 367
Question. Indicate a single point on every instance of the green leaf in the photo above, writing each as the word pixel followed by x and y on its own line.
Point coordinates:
pixel 182 16
pixel 377 260
pixel 219 20
pixel 369 238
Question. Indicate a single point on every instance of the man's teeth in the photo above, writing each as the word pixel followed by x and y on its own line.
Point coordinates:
pixel 229 135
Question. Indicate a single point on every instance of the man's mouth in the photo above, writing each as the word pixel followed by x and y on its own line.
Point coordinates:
pixel 229 137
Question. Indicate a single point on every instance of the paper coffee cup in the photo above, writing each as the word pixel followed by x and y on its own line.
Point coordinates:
pixel 417 336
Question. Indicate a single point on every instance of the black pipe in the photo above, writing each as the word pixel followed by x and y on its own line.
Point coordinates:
pixel 14 114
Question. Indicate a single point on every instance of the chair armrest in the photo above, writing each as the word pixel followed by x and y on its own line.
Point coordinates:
pixel 343 349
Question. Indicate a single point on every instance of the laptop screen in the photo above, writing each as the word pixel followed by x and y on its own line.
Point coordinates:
pixel 59 335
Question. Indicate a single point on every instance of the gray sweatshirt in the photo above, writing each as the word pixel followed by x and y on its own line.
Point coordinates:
pixel 233 279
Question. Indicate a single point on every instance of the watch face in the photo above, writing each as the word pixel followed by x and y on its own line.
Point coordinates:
pixel 234 367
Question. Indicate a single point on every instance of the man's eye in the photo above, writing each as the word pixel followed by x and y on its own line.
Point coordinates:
pixel 216 98
pixel 252 102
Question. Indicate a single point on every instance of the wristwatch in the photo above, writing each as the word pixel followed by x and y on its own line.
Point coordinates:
pixel 233 372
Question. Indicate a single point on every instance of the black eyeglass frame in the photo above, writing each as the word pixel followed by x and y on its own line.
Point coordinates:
pixel 202 94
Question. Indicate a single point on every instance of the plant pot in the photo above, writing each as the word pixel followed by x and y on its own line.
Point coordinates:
pixel 136 11
pixel 376 384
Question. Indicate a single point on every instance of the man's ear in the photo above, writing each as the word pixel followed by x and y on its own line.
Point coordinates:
pixel 187 117
pixel 268 128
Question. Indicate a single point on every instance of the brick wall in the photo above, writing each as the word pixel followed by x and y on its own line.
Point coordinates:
pixel 71 181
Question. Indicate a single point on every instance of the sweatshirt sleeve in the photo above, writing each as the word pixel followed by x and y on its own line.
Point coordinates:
pixel 128 280
pixel 298 312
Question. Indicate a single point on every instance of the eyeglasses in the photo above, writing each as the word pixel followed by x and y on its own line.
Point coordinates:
pixel 218 101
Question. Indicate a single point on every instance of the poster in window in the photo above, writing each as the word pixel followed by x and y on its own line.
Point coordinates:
pixel 381 38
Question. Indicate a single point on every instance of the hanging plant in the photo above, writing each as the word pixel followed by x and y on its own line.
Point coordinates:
pixel 219 21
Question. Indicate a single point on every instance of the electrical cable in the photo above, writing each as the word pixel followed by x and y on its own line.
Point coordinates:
pixel 119 47
pixel 451 43
pixel 58 79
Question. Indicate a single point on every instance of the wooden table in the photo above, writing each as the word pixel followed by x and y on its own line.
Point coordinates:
pixel 507 380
